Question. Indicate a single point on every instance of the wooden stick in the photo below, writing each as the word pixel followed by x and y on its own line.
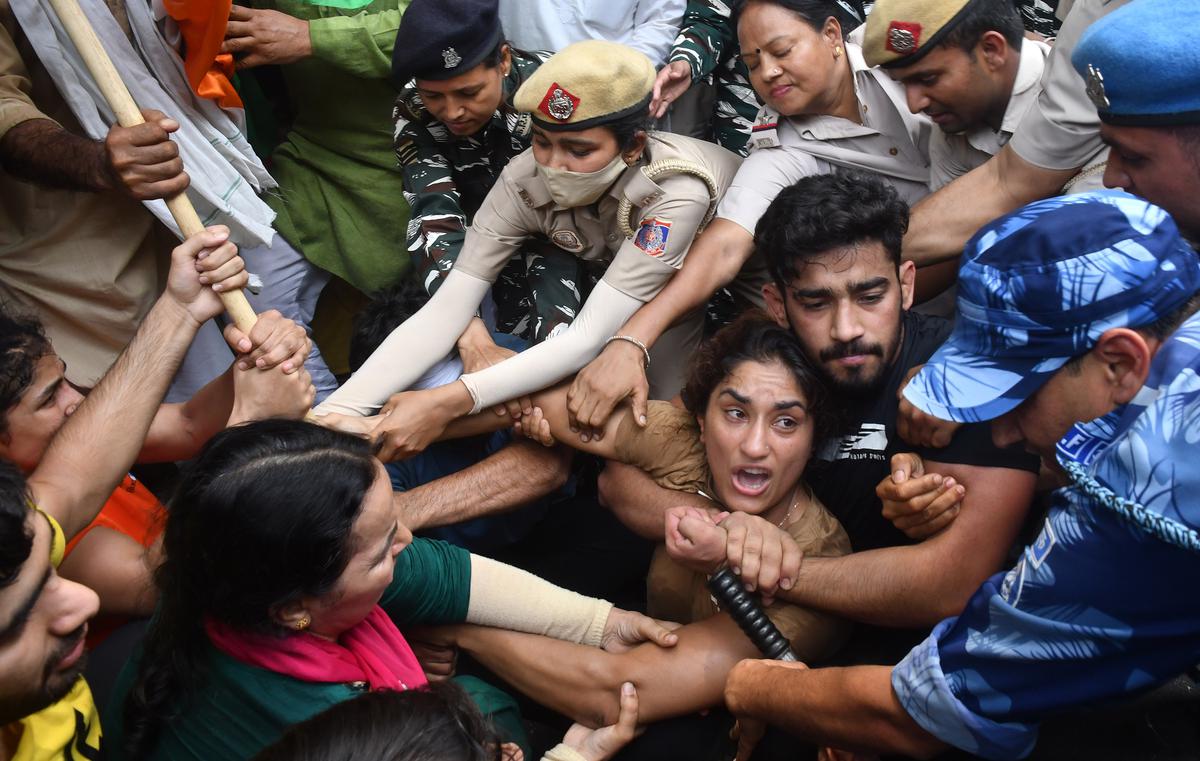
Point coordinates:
pixel 128 115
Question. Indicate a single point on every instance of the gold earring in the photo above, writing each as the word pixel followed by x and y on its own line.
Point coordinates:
pixel 303 623
pixel 837 52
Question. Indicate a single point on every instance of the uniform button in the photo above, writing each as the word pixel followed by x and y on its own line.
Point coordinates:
pixel 612 236
pixel 893 151
pixel 866 108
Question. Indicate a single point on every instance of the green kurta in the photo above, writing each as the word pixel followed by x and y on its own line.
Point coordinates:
pixel 341 201
pixel 241 709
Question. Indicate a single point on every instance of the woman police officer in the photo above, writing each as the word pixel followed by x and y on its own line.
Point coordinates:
pixel 596 184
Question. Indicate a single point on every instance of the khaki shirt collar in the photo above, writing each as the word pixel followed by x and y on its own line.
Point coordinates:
pixel 872 88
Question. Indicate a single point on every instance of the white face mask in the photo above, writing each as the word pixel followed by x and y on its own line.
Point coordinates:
pixel 572 189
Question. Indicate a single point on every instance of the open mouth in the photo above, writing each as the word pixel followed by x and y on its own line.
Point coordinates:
pixel 751 482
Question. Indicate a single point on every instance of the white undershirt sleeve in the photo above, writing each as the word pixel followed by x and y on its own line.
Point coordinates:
pixel 411 349
pixel 605 311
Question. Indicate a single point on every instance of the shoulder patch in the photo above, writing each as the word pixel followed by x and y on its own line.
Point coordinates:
pixel 652 236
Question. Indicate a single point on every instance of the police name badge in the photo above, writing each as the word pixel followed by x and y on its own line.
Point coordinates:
pixel 652 236
pixel 1095 89
pixel 568 240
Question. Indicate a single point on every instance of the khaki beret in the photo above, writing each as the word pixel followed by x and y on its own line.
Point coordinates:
pixel 587 84
pixel 901 32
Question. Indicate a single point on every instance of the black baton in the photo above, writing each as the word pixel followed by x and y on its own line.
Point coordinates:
pixel 732 597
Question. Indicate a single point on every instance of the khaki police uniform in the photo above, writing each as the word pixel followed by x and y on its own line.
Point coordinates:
pixel 892 142
pixel 951 156
pixel 668 212
pixel 1062 130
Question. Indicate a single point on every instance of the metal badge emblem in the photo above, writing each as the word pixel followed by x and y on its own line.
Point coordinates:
pixel 1095 89
pixel 903 37
pixel 451 58
pixel 559 104
pixel 567 240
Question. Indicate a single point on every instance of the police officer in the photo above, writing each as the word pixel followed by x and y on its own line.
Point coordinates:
pixel 595 184
pixel 456 129
pixel 1148 104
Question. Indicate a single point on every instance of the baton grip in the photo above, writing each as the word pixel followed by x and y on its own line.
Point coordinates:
pixel 733 598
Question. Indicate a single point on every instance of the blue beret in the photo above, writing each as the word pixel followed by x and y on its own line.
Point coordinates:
pixel 440 39
pixel 1141 64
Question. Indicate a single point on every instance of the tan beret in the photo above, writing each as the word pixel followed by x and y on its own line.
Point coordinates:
pixel 587 84
pixel 901 32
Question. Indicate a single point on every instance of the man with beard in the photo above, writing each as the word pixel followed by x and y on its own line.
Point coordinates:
pixel 832 243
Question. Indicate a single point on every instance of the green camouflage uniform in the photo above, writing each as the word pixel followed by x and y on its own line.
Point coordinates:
pixel 707 42
pixel 445 181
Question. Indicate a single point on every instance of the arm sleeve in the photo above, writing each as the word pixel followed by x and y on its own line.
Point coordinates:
pixel 411 349
pixel 431 584
pixel 972 445
pixel 16 105
pixel 509 598
pixel 760 178
pixel 655 25
pixel 605 311
pixel 705 35
pixel 1062 129
pixel 437 224
pixel 360 45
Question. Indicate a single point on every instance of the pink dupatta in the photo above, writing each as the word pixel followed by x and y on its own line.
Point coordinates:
pixel 373 651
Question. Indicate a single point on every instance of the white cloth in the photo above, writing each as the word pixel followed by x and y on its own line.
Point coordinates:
pixel 226 176
pixel 646 25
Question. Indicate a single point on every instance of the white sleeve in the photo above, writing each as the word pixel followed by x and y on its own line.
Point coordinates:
pixel 605 311
pixel 411 349
pixel 655 26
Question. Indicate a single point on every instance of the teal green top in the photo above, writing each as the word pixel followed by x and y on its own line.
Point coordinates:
pixel 240 709
pixel 341 195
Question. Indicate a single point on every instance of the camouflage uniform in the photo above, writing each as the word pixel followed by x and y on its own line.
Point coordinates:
pixel 707 42
pixel 445 181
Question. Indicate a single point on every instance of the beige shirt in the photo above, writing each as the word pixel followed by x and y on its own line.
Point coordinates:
pixel 1062 130
pixel 85 263
pixel 670 451
pixel 891 142
pixel 952 156
pixel 668 213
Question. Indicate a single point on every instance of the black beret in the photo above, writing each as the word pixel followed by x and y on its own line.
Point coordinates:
pixel 440 39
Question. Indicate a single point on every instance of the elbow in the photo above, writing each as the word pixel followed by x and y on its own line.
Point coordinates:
pixel 555 470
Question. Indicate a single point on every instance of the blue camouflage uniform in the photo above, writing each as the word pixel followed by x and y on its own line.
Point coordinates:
pixel 1102 604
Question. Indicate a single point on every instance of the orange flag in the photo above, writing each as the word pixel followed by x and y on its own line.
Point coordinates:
pixel 202 24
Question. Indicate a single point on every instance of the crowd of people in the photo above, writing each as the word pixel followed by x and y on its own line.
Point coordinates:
pixel 563 308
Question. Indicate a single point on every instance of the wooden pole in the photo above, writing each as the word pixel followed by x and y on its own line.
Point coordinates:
pixel 128 115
